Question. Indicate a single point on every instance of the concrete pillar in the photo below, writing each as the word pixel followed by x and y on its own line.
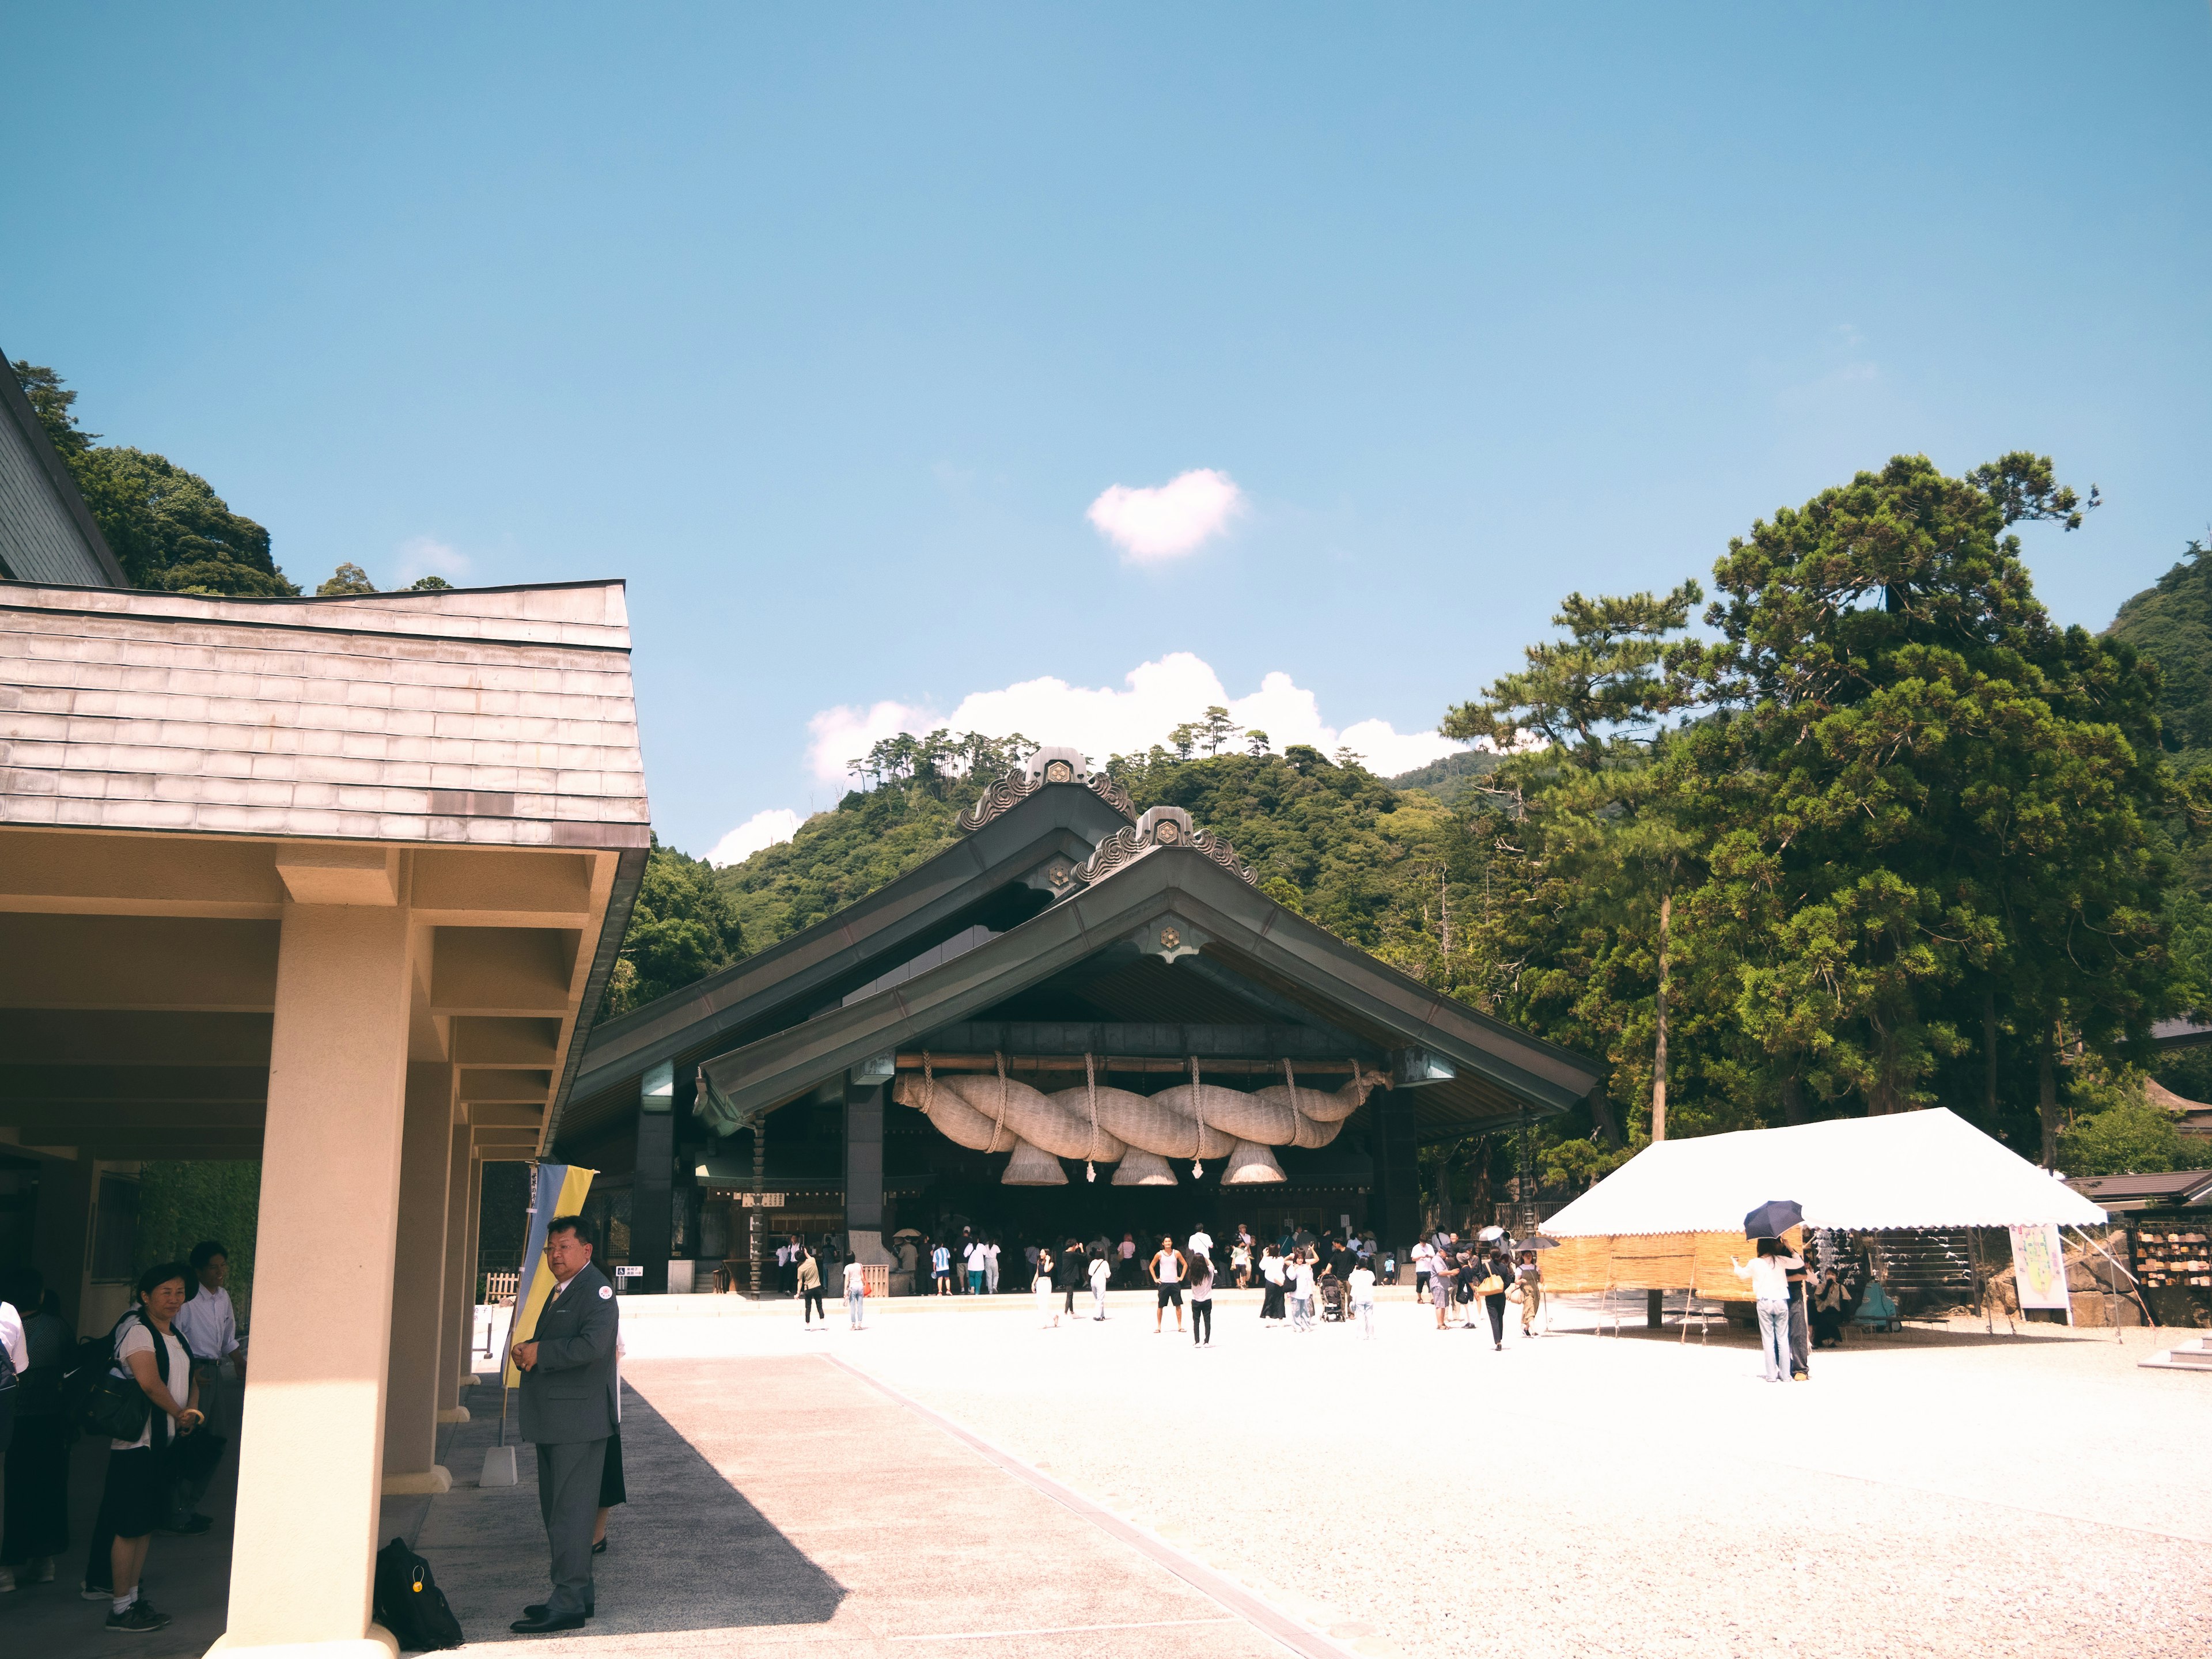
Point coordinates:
pixel 458 1298
pixel 652 1198
pixel 1397 1195
pixel 419 1286
pixel 864 1172
pixel 474 1277
pixel 61 1242
pixel 311 1448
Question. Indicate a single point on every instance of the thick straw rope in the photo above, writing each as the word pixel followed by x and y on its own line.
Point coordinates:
pixel 1290 1082
pixel 1000 1124
pixel 1091 1094
pixel 1198 1111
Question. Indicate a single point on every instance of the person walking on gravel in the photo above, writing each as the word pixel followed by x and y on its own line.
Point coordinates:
pixel 1362 1286
pixel 1201 1301
pixel 1102 1274
pixel 1272 1272
pixel 1301 1290
pixel 1167 1267
pixel 1041 1288
pixel 1769 1273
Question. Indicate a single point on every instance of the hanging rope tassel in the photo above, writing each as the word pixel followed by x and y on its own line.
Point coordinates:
pixel 1197 1111
pixel 1290 1083
pixel 1000 1123
pixel 1091 1094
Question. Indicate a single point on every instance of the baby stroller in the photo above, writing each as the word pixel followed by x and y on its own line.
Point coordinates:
pixel 1330 1289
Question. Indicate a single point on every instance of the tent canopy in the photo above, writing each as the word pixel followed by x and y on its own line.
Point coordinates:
pixel 1929 1169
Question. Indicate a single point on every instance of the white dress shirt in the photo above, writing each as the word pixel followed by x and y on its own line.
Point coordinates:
pixel 209 1325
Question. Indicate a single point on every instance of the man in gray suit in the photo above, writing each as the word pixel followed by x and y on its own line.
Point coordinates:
pixel 570 1409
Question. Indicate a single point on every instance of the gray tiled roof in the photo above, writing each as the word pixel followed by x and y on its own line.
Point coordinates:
pixel 500 716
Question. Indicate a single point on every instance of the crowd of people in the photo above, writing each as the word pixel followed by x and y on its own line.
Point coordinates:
pixel 163 1374
pixel 1490 1272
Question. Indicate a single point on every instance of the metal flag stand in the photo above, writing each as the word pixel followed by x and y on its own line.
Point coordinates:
pixel 499 1458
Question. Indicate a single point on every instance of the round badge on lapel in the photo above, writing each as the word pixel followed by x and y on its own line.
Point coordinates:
pixel 605 1291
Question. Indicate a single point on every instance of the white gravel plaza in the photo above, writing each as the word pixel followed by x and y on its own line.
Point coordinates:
pixel 1935 1493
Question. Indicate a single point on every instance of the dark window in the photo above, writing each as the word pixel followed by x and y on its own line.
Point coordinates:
pixel 115 1231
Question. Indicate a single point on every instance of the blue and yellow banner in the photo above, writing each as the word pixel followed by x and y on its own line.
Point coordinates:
pixel 560 1190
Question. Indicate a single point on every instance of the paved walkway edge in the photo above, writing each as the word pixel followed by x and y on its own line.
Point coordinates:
pixel 1269 1621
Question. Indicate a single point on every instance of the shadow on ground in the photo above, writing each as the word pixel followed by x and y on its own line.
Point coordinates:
pixel 687 1552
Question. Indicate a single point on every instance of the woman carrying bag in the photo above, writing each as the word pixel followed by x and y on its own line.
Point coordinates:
pixel 136 1498
pixel 1497 1273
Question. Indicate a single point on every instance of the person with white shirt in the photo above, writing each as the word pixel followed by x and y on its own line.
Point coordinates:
pixel 1102 1274
pixel 1302 1291
pixel 14 1360
pixel 1362 1286
pixel 856 1294
pixel 1769 1272
pixel 1424 1259
pixel 135 1498
pixel 1274 1273
pixel 1167 1267
pixel 1201 1241
pixel 209 1325
pixel 972 1259
pixel 991 1265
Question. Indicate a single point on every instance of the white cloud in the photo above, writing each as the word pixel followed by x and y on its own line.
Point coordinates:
pixel 1103 721
pixel 762 829
pixel 425 556
pixel 1171 520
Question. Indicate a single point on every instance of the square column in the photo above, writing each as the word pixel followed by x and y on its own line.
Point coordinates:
pixel 864 1172
pixel 1396 1205
pixel 457 1299
pixel 312 1446
pixel 473 1274
pixel 419 1286
pixel 61 1241
pixel 652 1200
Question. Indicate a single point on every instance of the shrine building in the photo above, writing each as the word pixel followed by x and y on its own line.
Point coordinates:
pixel 1078 1018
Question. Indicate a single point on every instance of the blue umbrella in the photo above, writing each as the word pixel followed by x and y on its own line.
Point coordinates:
pixel 1773 1219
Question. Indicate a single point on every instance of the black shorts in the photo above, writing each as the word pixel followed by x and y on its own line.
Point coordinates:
pixel 1170 1296
pixel 136 1498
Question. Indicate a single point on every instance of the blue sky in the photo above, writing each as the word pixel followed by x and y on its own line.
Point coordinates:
pixel 825 329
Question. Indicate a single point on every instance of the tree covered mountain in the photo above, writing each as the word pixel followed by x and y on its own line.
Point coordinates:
pixel 2172 624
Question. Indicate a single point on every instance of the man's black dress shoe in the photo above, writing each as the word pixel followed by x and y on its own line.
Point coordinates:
pixel 546 1622
pixel 539 1609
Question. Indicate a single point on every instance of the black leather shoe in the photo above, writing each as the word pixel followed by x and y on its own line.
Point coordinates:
pixel 544 1625
pixel 539 1609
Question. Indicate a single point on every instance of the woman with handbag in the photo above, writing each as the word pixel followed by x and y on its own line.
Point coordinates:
pixel 143 1429
pixel 1497 1273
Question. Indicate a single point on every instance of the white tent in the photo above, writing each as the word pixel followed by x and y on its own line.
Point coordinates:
pixel 1929 1169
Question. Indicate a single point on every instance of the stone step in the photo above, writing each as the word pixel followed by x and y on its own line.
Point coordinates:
pixel 2191 1355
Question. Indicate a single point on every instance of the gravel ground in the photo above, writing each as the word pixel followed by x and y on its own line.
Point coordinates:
pixel 1932 1493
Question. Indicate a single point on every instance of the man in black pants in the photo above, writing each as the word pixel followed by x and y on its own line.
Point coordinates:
pixel 1167 1267
pixel 1070 1269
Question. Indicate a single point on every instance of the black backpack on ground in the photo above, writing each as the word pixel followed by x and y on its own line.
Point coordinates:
pixel 410 1604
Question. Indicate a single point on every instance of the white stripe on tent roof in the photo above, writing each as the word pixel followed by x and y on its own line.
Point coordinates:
pixel 1928 1168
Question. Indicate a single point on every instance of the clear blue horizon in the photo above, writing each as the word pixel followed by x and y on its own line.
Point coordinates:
pixel 826 330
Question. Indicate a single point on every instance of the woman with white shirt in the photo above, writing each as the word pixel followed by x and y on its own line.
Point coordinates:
pixel 1272 1271
pixel 1769 1272
pixel 135 1498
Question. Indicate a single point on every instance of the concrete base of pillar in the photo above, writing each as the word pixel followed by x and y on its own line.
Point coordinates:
pixel 454 1414
pixel 435 1479
pixel 379 1643
pixel 470 1381
pixel 868 1247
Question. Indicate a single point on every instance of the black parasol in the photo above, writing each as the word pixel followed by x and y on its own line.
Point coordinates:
pixel 1773 1219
